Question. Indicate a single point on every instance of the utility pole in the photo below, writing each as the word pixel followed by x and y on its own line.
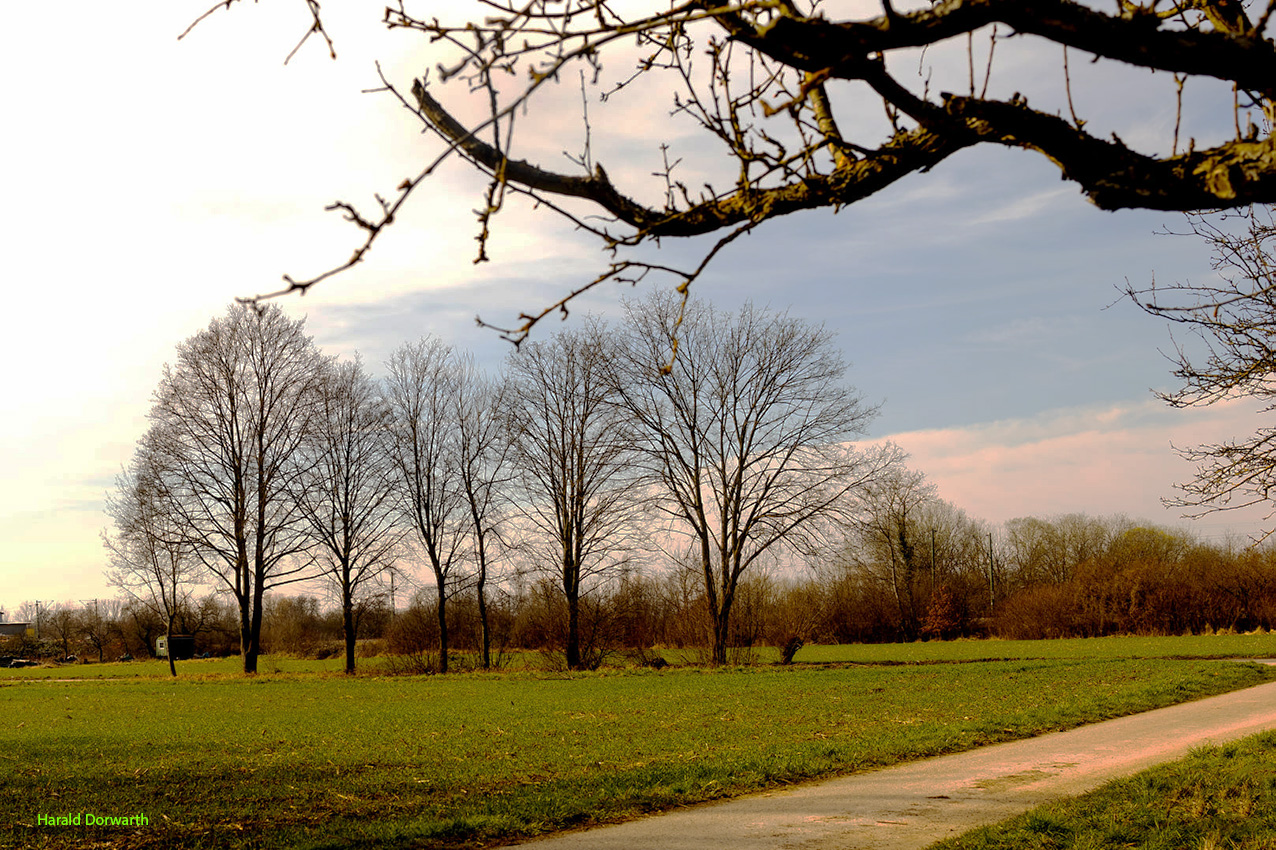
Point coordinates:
pixel 992 597
pixel 932 562
pixel 392 605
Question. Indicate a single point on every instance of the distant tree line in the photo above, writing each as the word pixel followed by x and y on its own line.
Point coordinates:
pixel 108 629
pixel 930 572
pixel 916 569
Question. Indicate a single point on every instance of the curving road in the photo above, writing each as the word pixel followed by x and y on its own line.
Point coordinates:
pixel 913 805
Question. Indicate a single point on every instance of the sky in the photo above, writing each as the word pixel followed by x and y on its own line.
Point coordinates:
pixel 149 180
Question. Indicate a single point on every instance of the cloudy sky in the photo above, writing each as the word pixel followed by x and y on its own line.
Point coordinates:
pixel 148 181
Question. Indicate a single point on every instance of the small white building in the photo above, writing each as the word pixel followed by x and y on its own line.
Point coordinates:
pixel 182 646
pixel 14 629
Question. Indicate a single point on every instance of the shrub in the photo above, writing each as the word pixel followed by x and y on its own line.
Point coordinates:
pixel 1037 613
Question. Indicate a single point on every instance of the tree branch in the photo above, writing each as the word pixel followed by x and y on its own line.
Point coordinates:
pixel 813 43
pixel 908 152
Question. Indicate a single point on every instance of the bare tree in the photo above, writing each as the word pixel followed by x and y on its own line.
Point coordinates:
pixel 227 422
pixel 346 489
pixel 1234 318
pixel 816 105
pixel 1050 550
pixel 572 451
pixel 100 623
pixel 892 544
pixel 61 623
pixel 952 549
pixel 1034 552
pixel 140 625
pixel 151 559
pixel 744 433
pixel 28 612
pixel 482 454
pixel 421 388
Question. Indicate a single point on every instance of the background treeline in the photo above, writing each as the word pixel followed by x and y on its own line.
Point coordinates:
pixel 682 478
pixel 1071 576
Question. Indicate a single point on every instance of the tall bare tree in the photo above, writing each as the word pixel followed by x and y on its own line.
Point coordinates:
pixel 346 489
pixel 744 432
pixel 61 622
pixel 100 623
pixel 807 104
pixel 482 455
pixel 227 423
pixel 151 559
pixel 421 387
pixel 1049 550
pixel 1234 318
pixel 893 544
pixel 572 452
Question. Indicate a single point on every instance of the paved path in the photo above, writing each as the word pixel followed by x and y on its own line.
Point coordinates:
pixel 913 805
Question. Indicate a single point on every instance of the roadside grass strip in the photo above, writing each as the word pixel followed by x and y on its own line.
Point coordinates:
pixel 295 760
pixel 1254 645
pixel 1218 798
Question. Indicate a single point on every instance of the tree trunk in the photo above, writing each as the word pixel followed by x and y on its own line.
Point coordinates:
pixel 719 641
pixel 722 630
pixel 247 653
pixel 439 581
pixel 347 618
pixel 168 641
pixel 347 623
pixel 254 637
pixel 486 635
pixel 573 632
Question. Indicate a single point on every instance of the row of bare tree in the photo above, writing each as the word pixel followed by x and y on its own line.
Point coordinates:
pixel 932 576
pixel 723 437
pixel 915 567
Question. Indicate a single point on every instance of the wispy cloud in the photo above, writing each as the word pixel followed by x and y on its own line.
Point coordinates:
pixel 1100 460
pixel 1024 208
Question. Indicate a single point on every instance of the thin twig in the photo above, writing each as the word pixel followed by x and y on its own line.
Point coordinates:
pixel 1179 81
pixel 1067 85
pixel 992 48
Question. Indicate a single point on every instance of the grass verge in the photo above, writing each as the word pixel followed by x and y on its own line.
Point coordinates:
pixel 1256 645
pixel 1219 797
pixel 294 760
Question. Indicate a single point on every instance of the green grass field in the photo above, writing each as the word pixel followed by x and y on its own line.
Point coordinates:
pixel 307 757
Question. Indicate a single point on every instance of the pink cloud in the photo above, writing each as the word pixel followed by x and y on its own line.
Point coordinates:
pixel 1099 461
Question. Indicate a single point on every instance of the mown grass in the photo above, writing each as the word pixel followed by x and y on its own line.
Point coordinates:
pixel 933 652
pixel 158 668
pixel 233 666
pixel 1219 797
pixel 299 760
